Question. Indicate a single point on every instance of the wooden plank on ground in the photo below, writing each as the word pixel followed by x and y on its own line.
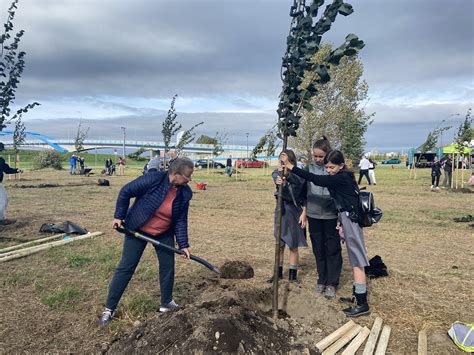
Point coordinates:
pixel 23 245
pixel 357 342
pixel 342 341
pixel 28 251
pixel 374 334
pixel 331 338
pixel 383 342
pixel 422 343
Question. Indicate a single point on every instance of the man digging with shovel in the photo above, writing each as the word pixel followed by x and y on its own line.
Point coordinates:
pixel 160 210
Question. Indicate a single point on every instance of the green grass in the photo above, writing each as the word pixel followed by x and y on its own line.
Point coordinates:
pixel 140 305
pixel 77 261
pixel 17 279
pixel 63 297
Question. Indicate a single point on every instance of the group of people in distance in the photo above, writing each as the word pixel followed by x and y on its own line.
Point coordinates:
pixel 74 161
pixel 324 195
pixel 445 164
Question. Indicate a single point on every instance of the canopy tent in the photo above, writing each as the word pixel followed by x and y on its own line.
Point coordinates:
pixel 453 149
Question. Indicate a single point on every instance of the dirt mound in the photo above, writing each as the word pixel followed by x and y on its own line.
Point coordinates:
pixel 236 270
pixel 224 325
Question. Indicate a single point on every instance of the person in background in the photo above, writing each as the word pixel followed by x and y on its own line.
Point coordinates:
pixel 155 163
pixel 161 211
pixel 5 169
pixel 372 171
pixel 321 213
pixel 292 227
pixel 435 173
pixel 228 166
pixel 72 164
pixel 342 187
pixel 81 162
pixel 121 165
pixel 364 165
pixel 448 169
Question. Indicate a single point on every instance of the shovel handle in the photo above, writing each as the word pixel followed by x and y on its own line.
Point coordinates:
pixel 167 247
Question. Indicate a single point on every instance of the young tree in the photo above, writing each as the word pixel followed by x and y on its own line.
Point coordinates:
pixel 18 136
pixel 81 136
pixel 463 141
pixel 303 43
pixel 12 64
pixel 187 137
pixel 219 140
pixel 170 126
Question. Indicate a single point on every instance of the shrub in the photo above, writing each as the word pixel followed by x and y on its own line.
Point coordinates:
pixel 49 159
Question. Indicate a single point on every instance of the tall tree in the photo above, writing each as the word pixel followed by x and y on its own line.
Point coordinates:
pixel 170 125
pixel 187 137
pixel 12 64
pixel 203 139
pixel 81 136
pixel 303 43
pixel 464 133
pixel 336 111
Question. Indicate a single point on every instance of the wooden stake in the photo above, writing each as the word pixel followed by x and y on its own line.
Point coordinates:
pixel 339 344
pixel 331 338
pixel 383 342
pixel 357 342
pixel 28 251
pixel 422 343
pixel 374 334
pixel 22 245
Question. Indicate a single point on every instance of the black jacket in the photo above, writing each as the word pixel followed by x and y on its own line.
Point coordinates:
pixel 342 187
pixel 295 187
pixel 5 169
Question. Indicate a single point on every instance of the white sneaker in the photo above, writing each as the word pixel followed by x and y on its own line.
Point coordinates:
pixel 172 306
pixel 432 186
pixel 437 188
pixel 106 317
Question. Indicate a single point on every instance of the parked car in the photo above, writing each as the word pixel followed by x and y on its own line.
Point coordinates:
pixel 250 163
pixel 203 163
pixel 391 161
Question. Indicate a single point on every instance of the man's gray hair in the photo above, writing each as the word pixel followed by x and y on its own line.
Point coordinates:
pixel 178 165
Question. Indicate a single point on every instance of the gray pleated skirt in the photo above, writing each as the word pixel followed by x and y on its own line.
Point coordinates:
pixel 354 241
pixel 291 232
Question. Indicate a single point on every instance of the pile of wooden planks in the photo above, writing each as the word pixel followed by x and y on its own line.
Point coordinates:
pixel 356 335
pixel 25 249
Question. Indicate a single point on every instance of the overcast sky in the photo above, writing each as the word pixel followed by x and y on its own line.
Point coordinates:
pixel 118 63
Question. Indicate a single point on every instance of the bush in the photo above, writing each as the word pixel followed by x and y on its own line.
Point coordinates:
pixel 49 159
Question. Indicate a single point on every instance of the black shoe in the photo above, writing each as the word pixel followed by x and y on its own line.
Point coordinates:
pixel 6 221
pixel 280 275
pixel 293 275
pixel 360 308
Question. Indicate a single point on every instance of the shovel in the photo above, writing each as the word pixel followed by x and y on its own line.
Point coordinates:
pixel 174 250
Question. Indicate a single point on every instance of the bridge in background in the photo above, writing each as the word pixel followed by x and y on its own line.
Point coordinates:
pixel 42 141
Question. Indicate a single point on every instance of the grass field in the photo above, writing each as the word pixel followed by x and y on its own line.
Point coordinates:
pixel 51 300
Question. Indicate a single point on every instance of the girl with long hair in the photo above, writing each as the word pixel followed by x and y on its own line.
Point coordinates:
pixel 342 186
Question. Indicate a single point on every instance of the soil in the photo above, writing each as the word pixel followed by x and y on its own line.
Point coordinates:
pixel 235 269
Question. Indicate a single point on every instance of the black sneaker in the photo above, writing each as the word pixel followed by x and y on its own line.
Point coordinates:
pixel 357 310
pixel 106 317
pixel 6 221
pixel 172 306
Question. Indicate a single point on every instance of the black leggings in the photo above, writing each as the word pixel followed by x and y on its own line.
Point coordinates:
pixel 366 174
pixel 433 178
pixel 326 246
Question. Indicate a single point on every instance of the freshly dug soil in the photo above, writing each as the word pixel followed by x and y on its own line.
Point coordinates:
pixel 228 323
pixel 236 269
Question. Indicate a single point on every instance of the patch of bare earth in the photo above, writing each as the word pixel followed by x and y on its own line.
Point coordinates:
pixel 50 301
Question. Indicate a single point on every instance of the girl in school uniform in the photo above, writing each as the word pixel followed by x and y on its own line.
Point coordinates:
pixel 292 227
pixel 342 187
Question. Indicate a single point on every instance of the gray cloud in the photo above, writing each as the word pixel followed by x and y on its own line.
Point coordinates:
pixel 416 51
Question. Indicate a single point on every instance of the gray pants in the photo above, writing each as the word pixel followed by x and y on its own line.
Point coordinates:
pixel 3 202
pixel 354 241
pixel 447 179
pixel 132 252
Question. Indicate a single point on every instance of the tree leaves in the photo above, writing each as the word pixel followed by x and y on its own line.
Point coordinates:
pixel 302 44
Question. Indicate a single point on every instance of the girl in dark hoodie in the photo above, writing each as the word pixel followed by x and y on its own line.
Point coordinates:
pixel 343 189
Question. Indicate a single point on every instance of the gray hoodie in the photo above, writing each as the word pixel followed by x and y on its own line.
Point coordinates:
pixel 320 204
